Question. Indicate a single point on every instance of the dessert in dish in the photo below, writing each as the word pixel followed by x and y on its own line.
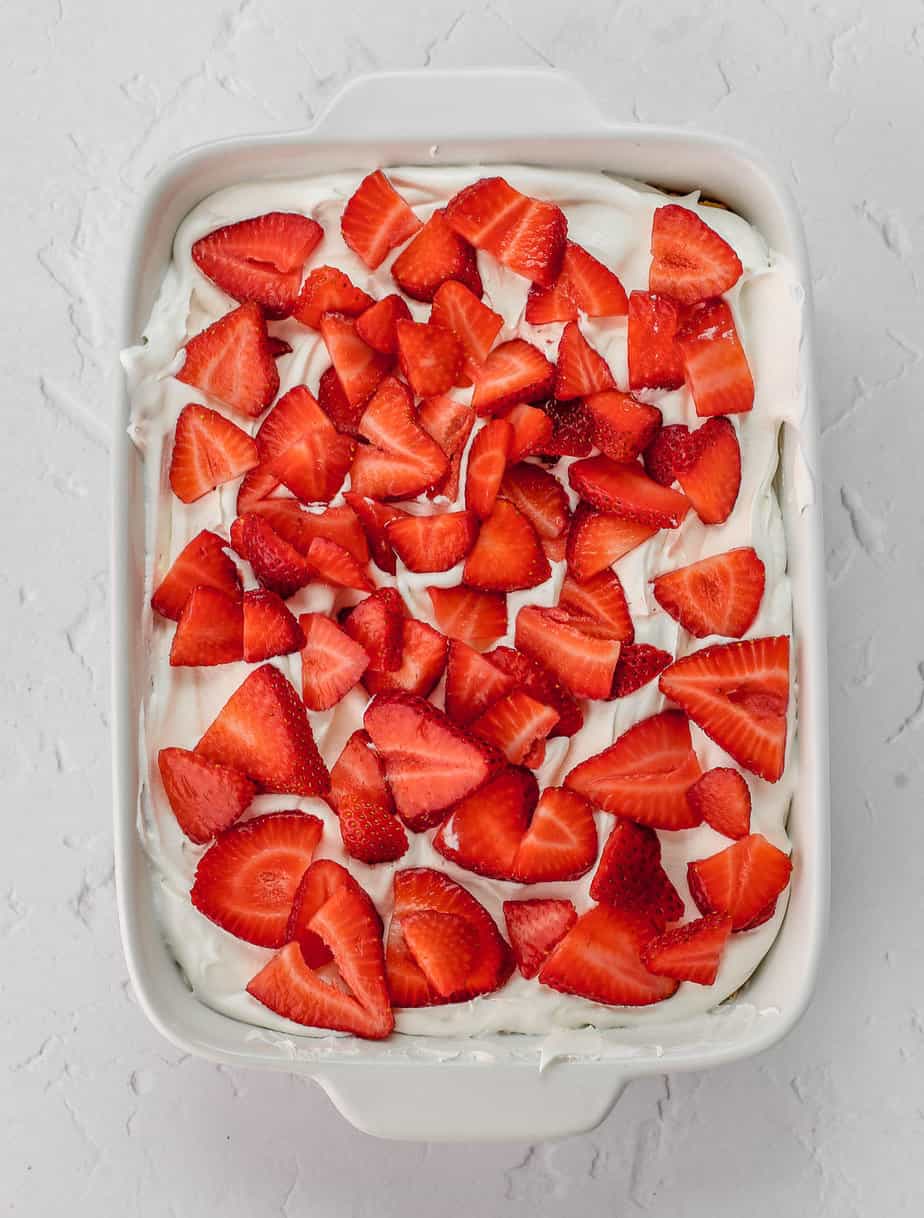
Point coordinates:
pixel 469 702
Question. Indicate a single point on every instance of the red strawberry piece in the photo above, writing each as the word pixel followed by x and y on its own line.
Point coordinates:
pixel 320 882
pixel 600 959
pixel 744 881
pixel 378 326
pixel 525 234
pixel 332 662
pixel 374 517
pixel 435 256
pixel 561 842
pixel 722 799
pixel 376 624
pixel 444 946
pixel 300 527
pixel 430 357
pixel 583 284
pixel 294 416
pixel 376 219
pixel 433 543
pixel 515 724
pixel 554 548
pixel 514 372
pixel 689 260
pixel 473 683
pixel 572 429
pixel 638 664
pixel 581 370
pixel 246 881
pixel 201 563
pixel 623 426
pixel 429 763
pixel 714 361
pixel 423 661
pixel 206 799
pixel 329 290
pixel 655 360
pixel 507 554
pixel 598 539
pixel 539 496
pixel 532 431
pixel 447 421
pixel 210 630
pixel 359 368
pixel 485 829
pixel 278 346
pixel 336 566
pixel 601 597
pixel 314 468
pixel 582 661
pixel 263 731
pixel 718 595
pixel 711 476
pixel 208 449
pixel 630 877
pixel 667 453
pixel 738 693
pixel 260 259
pixel 645 775
pixel 539 683
pixel 336 405
pixel 401 460
pixel 476 618
pixel 628 491
pixel 277 565
pixel 359 795
pixel 487 460
pixel 230 360
pixel 459 310
pixel 536 756
pixel 691 952
pixel 269 628
pixel 535 928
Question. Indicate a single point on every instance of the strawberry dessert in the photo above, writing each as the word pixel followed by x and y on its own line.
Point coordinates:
pixel 470 700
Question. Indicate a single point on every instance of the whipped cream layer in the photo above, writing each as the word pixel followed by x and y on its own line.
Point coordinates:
pixel 612 219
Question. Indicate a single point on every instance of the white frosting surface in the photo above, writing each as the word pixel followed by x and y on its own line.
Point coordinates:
pixel 612 219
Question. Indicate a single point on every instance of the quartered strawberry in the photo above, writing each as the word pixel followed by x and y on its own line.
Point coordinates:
pixel 738 693
pixel 429 763
pixel 476 618
pixel 572 429
pixel 444 946
pixel 378 326
pixel 514 372
pixel 359 368
pixel 515 724
pixel 487 460
pixel 435 256
pixel 401 460
pixel 583 284
pixel 532 431
pixel 691 952
pixel 269 628
pixel 201 563
pixel 206 799
pixel 259 259
pixel 360 796
pixel 423 661
pixel 627 491
pixel 294 416
pixel 430 357
pixel 525 234
pixel 374 517
pixel 245 883
pixel 376 219
pixel 507 554
pixel 459 310
pixel 230 360
pixel 332 662
pixel 645 775
pixel 300 527
pixel 655 360
pixel 580 370
pixel 376 624
pixel 486 827
pixel 263 731
pixel 432 543
pixel 314 468
pixel 711 475
pixel 329 290
pixel 539 683
pixel 689 260
pixel 598 539
pixel 449 423
pixel 638 664
pixel 570 647
pixel 718 595
pixel 601 597
pixel 539 496
pixel 336 566
pixel 535 928
pixel 744 881
pixel 600 959
pixel 623 426
pixel 473 683
pixel 336 405
pixel 208 450
pixel 630 877
pixel 277 565
pixel 722 799
pixel 714 362
pixel 210 630
pixel 320 882
pixel 561 842
pixel 667 453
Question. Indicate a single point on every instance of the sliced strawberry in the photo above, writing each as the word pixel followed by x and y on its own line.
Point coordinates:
pixel 449 423
pixel 278 346
pixel 601 597
pixel 360 797
pixel 689 260
pixel 598 539
pixel 436 255
pixel 738 693
pixel 583 662
pixel 208 450
pixel 300 527
pixel 718 595
pixel 206 799
pixel 329 290
pixel 201 563
pixel 714 361
pixel 667 453
pixel 376 219
pixel 539 496
pixel 263 731
pixel 525 234
pixel 246 881
pixel 476 618
pixel 374 517
pixel 514 372
pixel 507 555
pixel 430 357
pixel 721 797
pixel 259 259
pixel 532 431
pixel 535 758
pixel 711 476
pixel 337 406
pixel 336 566
pixel 423 661
pixel 623 426
pixel 645 775
pixel 269 628
pixel 744 881
pixel 487 460
pixel 691 952
pixel 583 284
pixel 433 543
pixel 230 360
pixel 320 882
pixel 628 491
pixel 349 925
pixel 376 624
pixel 378 326
pixel 277 565
pixel 332 662
pixel 554 548
pixel 473 683
pixel 401 460
pixel 484 832
pixel 539 683
pixel 429 763
pixel 655 360
pixel 359 368
pixel 581 370
pixel 638 664
pixel 314 468
pixel 535 928
pixel 572 429
pixel 630 877
pixel 444 946
pixel 459 310
pixel 561 842
pixel 210 630
pixel 599 959
pixel 515 724
pixel 294 416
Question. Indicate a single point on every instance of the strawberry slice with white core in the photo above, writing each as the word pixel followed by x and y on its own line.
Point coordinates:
pixel 487 460
pixel 314 468
pixel 722 798
pixel 583 285
pixel 540 684
pixel 423 661
pixel 581 370
pixel 201 563
pixel 361 798
pixel 571 648
pixel 486 828
pixel 319 883
pixel 433 543
pixel 376 624
pixel 601 597
pixel 475 326
pixel 336 566
pixel 430 357
pixel 714 362
pixel 300 527
pixel 638 664
pixel 436 255
pixel 473 683
pixel 689 260
pixel 691 952
pixel 539 496
pixel 514 372
pixel 329 290
pixel 269 628
pixel 655 360
pixel 630 877
pixel 623 426
pixel 206 798
pixel 444 946
pixel 376 219
pixel 718 595
pixel 210 630
pixel 208 450
pixel 535 928
pixel 374 518
pixel 336 405
pixel 359 368
pixel 294 416
pixel 532 430
pixel 515 724
pixel 476 618
pixel 230 360
pixel 507 554
pixel 378 325
pixel 277 565
pixel 711 474
pixel 744 881
pixel 401 460
pixel 561 842
pixel 525 234
pixel 332 662
pixel 446 421
pixel 598 539
pixel 627 491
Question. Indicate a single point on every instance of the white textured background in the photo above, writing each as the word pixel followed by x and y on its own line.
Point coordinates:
pixel 100 1116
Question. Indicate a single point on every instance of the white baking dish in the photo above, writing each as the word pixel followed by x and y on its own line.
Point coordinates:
pixel 492 1087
